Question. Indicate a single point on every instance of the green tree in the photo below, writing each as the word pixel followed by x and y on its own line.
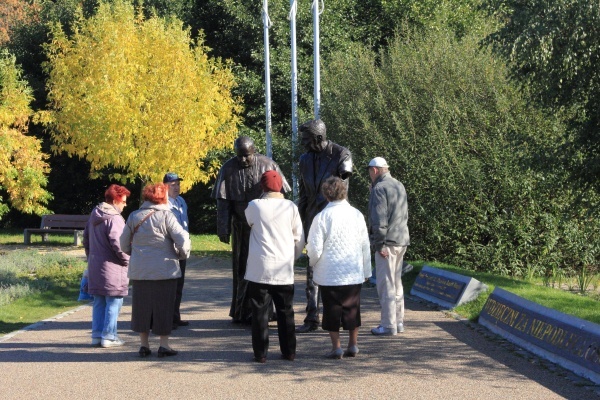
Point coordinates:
pixel 234 30
pixel 472 153
pixel 553 48
pixel 139 96
pixel 23 166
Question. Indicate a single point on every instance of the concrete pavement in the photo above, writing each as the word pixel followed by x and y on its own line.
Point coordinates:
pixel 438 357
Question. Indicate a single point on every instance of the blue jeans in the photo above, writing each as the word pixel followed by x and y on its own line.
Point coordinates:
pixel 105 312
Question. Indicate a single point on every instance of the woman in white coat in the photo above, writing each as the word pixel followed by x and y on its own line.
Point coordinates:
pixel 276 241
pixel 338 249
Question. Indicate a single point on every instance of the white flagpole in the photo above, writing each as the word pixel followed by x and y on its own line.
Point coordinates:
pixel 267 24
pixel 292 18
pixel 316 57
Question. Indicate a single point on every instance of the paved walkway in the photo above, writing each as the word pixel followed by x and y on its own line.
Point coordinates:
pixel 438 357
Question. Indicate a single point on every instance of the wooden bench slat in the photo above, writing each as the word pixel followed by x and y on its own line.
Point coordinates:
pixel 59 223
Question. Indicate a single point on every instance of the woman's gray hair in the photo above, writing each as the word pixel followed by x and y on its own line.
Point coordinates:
pixel 334 188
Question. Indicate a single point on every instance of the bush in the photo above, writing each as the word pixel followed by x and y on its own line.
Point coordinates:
pixel 476 159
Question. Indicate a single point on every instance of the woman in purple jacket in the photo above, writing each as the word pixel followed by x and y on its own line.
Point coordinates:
pixel 107 265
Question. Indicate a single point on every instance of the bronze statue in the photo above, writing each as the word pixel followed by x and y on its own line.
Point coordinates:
pixel 322 159
pixel 238 183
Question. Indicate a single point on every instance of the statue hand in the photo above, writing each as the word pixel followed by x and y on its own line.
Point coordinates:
pixel 224 238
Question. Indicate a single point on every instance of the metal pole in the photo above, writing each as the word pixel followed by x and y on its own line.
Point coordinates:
pixel 316 57
pixel 292 17
pixel 267 24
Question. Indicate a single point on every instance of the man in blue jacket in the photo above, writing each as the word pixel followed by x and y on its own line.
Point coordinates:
pixel 179 208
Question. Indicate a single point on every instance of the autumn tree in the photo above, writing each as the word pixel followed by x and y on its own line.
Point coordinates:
pixel 138 96
pixel 23 166
pixel 13 13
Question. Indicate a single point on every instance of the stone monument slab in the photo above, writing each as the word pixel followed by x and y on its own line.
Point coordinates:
pixel 566 340
pixel 446 288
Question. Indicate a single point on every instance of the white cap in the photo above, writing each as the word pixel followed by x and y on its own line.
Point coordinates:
pixel 378 162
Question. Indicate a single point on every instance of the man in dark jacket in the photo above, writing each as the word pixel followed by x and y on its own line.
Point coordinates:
pixel 322 159
pixel 237 184
pixel 388 234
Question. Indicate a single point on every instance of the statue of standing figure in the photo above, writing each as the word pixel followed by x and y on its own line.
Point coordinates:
pixel 322 159
pixel 238 183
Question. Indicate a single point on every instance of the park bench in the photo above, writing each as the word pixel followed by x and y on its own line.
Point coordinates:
pixel 59 223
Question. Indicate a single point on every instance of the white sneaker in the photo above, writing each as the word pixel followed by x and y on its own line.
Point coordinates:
pixel 381 331
pixel 96 341
pixel 400 328
pixel 112 343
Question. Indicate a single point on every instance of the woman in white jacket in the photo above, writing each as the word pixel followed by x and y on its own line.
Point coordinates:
pixel 338 249
pixel 276 241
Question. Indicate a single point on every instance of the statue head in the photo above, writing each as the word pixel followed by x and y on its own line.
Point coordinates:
pixel 244 150
pixel 314 135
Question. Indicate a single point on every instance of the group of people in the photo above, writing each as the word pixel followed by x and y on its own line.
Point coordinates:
pixel 148 252
pixel 265 240
pixel 268 234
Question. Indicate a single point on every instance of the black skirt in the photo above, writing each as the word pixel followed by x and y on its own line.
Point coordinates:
pixel 341 307
pixel 153 306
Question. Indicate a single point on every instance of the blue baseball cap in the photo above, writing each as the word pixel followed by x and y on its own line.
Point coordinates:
pixel 171 177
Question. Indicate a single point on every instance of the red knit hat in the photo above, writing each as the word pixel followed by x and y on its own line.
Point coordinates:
pixel 271 181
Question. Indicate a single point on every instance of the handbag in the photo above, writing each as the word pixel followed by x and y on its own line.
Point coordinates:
pixel 83 288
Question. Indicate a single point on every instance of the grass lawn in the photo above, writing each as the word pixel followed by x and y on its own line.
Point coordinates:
pixel 26 299
pixel 36 307
pixel 60 292
pixel 202 245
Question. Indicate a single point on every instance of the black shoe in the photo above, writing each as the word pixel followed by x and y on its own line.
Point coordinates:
pixel 245 321
pixel 261 360
pixel 289 357
pixel 164 352
pixel 144 352
pixel 306 328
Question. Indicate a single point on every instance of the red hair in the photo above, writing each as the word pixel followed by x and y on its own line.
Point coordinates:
pixel 115 192
pixel 156 193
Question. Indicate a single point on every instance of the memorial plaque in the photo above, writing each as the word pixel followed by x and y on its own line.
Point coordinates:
pixel 561 338
pixel 445 288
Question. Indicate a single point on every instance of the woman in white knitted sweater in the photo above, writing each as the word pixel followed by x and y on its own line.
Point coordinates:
pixel 338 249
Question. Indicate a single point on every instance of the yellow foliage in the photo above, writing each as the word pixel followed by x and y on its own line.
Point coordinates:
pixel 139 96
pixel 23 166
